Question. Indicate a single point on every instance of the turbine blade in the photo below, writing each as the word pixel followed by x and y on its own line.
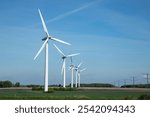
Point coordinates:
pixel 41 49
pixel 58 40
pixel 79 65
pixel 43 23
pixel 71 55
pixel 59 50
pixel 82 70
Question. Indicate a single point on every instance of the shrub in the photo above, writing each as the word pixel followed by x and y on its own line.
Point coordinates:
pixel 33 85
pixel 17 84
pixel 136 86
pixel 97 85
pixel 62 89
pixel 37 88
pixel 50 90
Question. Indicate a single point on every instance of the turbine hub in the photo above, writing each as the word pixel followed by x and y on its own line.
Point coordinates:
pixel 49 37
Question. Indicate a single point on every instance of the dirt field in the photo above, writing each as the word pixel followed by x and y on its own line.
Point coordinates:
pixel 17 88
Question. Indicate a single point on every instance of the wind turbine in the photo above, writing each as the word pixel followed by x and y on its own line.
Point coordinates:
pixel 45 44
pixel 77 68
pixel 64 57
pixel 79 75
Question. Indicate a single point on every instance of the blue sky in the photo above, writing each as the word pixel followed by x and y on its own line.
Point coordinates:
pixel 113 37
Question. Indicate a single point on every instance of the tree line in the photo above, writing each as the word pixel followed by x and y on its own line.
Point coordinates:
pixel 7 83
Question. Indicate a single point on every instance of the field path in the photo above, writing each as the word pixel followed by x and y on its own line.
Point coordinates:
pixel 18 88
pixel 115 89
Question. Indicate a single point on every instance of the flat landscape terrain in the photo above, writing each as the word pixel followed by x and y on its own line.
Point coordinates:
pixel 86 93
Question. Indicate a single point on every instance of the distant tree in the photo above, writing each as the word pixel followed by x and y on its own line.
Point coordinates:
pixel 17 84
pixel 7 83
pixel 1 84
pixel 59 85
pixel 97 85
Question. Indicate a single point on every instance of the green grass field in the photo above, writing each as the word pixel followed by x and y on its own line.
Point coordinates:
pixel 70 95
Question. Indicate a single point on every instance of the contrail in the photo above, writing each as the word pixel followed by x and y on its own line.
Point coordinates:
pixel 73 11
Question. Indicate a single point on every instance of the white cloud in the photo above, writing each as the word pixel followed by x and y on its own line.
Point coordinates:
pixel 73 11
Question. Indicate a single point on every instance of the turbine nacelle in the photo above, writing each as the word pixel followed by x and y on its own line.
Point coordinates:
pixel 45 38
pixel 72 66
pixel 64 57
pixel 76 68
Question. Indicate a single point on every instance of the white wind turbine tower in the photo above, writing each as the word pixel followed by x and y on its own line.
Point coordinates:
pixel 79 75
pixel 64 57
pixel 72 68
pixel 77 68
pixel 45 44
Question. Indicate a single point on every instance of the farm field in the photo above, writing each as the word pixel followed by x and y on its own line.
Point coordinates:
pixel 79 94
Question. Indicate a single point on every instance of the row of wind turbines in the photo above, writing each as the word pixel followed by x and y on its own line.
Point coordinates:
pixel 64 57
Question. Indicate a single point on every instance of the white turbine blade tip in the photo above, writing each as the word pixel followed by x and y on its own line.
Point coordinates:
pixel 58 40
pixel 79 64
pixel 59 50
pixel 83 70
pixel 34 58
pixel 43 23
pixel 39 9
pixel 71 55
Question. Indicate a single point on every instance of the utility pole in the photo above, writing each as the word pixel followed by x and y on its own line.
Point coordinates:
pixel 118 83
pixel 114 83
pixel 133 80
pixel 124 82
pixel 147 77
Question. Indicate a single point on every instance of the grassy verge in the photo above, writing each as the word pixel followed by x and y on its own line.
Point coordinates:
pixel 72 94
